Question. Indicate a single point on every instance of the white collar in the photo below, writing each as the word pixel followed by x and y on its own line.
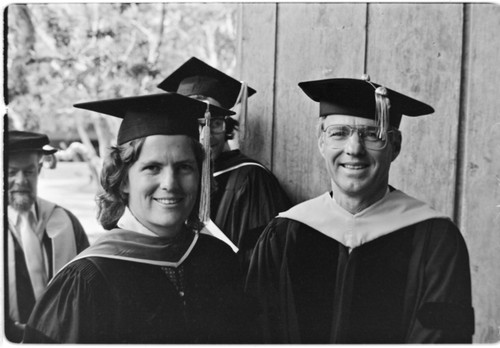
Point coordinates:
pixel 14 215
pixel 129 222
pixel 390 214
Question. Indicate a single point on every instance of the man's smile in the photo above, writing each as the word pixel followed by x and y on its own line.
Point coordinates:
pixel 354 165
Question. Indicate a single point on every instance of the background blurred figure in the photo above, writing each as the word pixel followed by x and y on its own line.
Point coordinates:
pixel 155 276
pixel 246 195
pixel 42 236
pixel 363 263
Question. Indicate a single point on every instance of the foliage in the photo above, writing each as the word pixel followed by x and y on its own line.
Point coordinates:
pixel 61 54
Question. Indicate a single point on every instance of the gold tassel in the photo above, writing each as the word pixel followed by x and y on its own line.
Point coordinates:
pixel 208 226
pixel 382 105
pixel 206 175
pixel 242 113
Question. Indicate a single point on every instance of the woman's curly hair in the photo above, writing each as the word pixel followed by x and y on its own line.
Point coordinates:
pixel 111 202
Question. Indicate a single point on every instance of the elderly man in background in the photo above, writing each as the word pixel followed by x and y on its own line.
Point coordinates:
pixel 42 236
pixel 363 263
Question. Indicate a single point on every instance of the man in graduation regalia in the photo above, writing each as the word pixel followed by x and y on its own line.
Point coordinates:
pixel 41 236
pixel 246 195
pixel 363 263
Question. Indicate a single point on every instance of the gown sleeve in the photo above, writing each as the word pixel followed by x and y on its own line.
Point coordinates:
pixel 72 308
pixel 269 287
pixel 444 312
pixel 256 198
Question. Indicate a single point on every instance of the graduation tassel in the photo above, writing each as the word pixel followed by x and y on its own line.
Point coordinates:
pixel 242 100
pixel 204 213
pixel 206 180
pixel 382 106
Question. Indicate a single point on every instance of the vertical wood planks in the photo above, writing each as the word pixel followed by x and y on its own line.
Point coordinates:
pixel 417 49
pixel 480 202
pixel 314 41
pixel 256 62
pixel 444 54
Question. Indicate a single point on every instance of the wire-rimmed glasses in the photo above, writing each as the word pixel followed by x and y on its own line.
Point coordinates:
pixel 217 125
pixel 337 135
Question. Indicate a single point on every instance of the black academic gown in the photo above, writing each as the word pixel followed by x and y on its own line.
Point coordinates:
pixel 245 200
pixel 106 300
pixel 409 286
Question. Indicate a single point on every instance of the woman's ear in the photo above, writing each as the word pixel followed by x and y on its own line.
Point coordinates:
pixel 124 186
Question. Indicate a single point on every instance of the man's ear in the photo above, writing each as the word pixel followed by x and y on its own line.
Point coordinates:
pixel 321 145
pixel 40 162
pixel 397 138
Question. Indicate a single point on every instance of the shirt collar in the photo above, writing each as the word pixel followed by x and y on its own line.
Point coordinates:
pixel 14 215
pixel 129 222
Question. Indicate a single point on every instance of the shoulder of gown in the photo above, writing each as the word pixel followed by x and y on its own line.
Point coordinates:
pixel 70 306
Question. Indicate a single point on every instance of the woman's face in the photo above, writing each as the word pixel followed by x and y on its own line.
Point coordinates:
pixel 163 183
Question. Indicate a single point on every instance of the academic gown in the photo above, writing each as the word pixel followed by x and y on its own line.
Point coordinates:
pixel 410 285
pixel 247 196
pixel 63 238
pixel 120 298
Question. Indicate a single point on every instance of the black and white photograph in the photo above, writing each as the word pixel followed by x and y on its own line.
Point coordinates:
pixel 251 173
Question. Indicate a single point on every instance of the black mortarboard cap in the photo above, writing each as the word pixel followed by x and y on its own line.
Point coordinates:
pixel 196 77
pixel 165 113
pixel 359 98
pixel 23 141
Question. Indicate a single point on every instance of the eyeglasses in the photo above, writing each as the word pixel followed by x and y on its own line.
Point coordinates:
pixel 373 138
pixel 217 125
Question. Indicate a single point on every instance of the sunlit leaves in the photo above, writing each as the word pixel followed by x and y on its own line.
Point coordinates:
pixel 61 54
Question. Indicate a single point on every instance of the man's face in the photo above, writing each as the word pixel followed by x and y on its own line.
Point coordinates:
pixel 354 169
pixel 217 137
pixel 24 168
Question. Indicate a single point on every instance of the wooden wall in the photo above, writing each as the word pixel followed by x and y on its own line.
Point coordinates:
pixel 447 55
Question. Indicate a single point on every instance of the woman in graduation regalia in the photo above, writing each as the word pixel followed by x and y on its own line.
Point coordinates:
pixel 155 276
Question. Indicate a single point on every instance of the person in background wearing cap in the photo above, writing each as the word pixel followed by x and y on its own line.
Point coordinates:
pixel 246 194
pixel 155 276
pixel 41 237
pixel 363 263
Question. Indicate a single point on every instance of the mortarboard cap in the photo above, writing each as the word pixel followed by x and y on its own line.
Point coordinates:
pixel 196 77
pixel 165 113
pixel 361 98
pixel 22 141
